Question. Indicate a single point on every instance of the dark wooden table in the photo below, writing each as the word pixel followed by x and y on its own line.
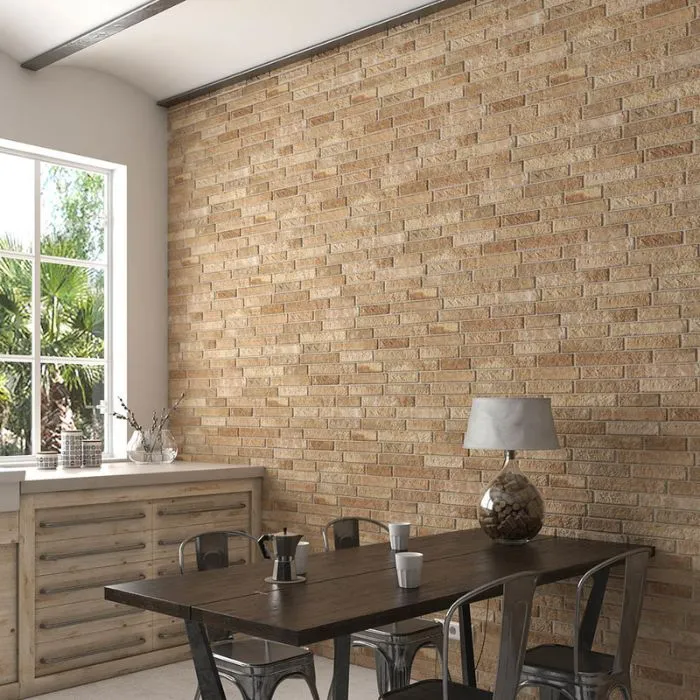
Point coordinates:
pixel 354 589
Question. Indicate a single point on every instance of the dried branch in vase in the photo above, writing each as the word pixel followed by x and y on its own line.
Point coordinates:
pixel 154 444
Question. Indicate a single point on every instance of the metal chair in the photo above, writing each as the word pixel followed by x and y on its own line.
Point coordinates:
pixel 518 591
pixel 395 646
pixel 255 666
pixel 578 672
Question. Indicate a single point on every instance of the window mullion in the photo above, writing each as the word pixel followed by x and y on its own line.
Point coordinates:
pixel 36 314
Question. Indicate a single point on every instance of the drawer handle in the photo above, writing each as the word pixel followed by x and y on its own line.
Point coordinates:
pixel 50 660
pixel 90 584
pixel 171 635
pixel 193 511
pixel 92 552
pixel 59 624
pixel 92 520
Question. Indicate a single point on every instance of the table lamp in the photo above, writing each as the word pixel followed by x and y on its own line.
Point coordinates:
pixel 511 510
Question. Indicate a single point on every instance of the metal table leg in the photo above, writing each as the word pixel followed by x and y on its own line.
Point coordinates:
pixel 207 675
pixel 467 646
pixel 340 684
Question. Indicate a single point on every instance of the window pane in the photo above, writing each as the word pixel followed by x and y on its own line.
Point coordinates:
pixel 72 311
pixel 72 213
pixel 15 408
pixel 70 400
pixel 16 203
pixel 15 307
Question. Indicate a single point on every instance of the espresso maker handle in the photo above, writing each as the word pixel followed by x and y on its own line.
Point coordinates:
pixel 261 545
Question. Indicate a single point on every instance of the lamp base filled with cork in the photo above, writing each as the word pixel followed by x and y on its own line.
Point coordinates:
pixel 511 510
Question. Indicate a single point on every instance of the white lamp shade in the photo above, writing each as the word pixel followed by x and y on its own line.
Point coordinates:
pixel 511 424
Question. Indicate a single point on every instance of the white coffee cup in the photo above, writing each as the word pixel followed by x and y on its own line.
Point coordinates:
pixel 398 536
pixel 301 557
pixel 409 566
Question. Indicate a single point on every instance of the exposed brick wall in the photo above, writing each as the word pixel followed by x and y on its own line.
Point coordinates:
pixel 503 198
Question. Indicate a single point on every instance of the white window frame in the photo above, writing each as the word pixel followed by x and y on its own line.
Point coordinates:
pixel 114 182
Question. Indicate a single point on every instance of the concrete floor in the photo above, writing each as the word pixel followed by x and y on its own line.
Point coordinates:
pixel 177 682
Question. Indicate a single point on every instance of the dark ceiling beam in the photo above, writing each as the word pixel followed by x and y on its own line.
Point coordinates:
pixel 323 46
pixel 99 33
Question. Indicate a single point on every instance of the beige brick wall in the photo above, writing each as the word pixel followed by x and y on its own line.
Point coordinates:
pixel 503 198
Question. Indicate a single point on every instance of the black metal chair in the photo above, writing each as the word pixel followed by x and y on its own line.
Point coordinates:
pixel 255 666
pixel 395 646
pixel 577 672
pixel 518 591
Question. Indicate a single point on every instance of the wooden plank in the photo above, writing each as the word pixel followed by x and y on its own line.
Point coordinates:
pixel 9 528
pixel 9 691
pixel 99 33
pixel 100 671
pixel 199 588
pixel 349 590
pixel 134 494
pixel 312 612
pixel 26 603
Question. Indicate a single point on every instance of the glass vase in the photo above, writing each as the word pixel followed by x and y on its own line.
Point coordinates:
pixel 151 447
pixel 511 510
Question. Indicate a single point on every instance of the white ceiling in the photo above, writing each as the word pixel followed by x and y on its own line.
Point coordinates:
pixel 189 45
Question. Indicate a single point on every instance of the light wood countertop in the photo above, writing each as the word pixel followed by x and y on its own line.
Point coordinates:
pixel 123 474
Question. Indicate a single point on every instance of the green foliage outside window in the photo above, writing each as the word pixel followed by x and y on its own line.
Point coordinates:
pixel 72 308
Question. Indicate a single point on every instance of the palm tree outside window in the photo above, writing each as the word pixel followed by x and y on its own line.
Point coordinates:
pixel 54 303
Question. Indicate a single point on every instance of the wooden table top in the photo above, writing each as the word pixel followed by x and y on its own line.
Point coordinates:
pixel 351 590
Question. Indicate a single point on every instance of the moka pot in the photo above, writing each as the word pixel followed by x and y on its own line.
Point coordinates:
pixel 285 545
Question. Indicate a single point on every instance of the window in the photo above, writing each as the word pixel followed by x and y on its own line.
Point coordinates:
pixel 55 302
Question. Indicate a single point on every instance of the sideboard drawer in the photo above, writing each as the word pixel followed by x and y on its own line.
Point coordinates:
pixel 90 553
pixel 168 632
pixel 170 566
pixel 215 511
pixel 166 542
pixel 90 649
pixel 75 621
pixel 83 586
pixel 104 519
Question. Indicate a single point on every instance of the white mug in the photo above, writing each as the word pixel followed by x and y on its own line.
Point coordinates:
pixel 398 536
pixel 409 566
pixel 301 557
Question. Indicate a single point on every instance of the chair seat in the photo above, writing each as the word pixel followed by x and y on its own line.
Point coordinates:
pixel 258 655
pixel 405 628
pixel 558 659
pixel 432 690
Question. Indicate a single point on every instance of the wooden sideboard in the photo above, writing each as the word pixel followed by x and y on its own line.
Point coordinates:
pixel 56 629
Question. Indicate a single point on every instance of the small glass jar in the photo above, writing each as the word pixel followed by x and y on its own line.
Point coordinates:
pixel 151 447
pixel 47 460
pixel 511 510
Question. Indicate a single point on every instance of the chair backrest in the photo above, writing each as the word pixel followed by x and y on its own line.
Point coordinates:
pixel 211 548
pixel 518 592
pixel 636 562
pixel 346 532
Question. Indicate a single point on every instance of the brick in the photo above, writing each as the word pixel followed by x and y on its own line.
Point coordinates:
pixel 498 198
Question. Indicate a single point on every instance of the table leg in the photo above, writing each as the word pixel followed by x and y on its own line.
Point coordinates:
pixel 340 684
pixel 207 675
pixel 467 646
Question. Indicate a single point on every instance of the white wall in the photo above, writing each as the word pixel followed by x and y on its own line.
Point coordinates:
pixel 95 115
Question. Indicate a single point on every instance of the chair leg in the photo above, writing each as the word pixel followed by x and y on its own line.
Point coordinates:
pixel 382 668
pixel 311 682
pixel 309 675
pixel 393 664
